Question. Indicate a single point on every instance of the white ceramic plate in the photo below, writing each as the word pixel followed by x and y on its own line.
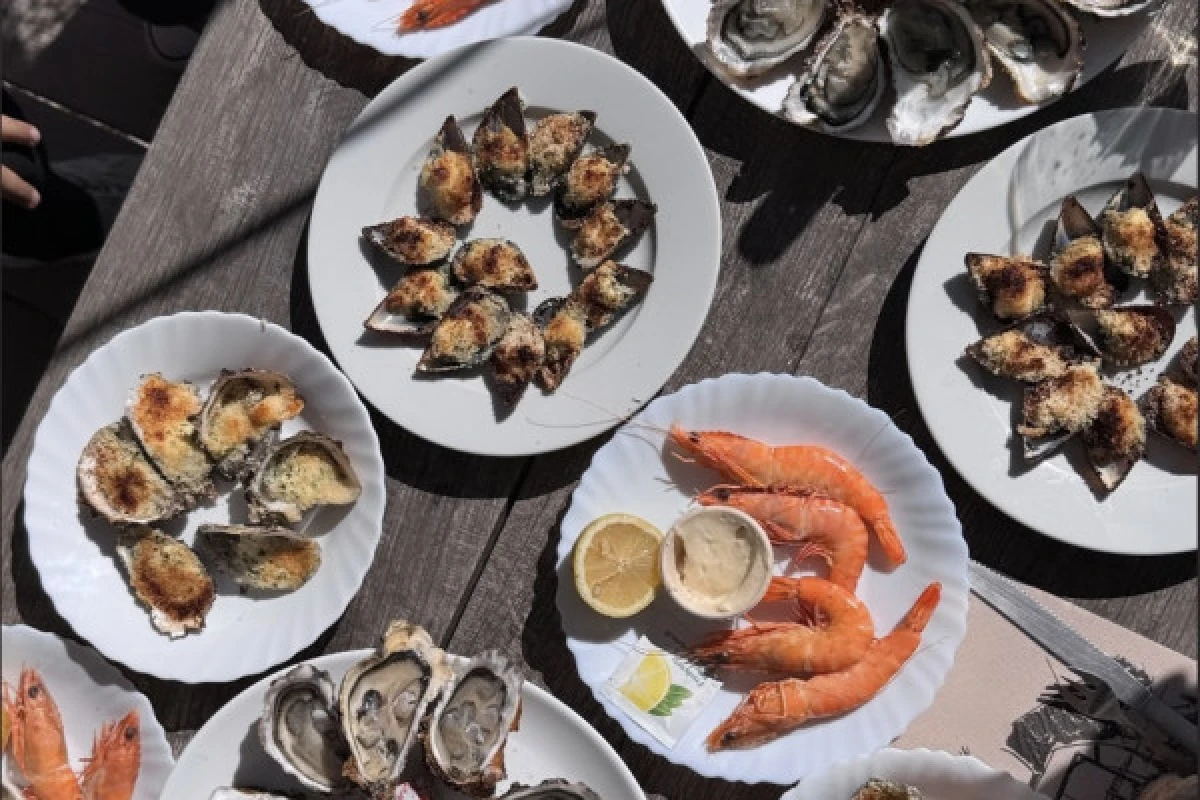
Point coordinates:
pixel 1002 210
pixel 374 24
pixel 552 742
pixel 89 692
pixel 75 555
pixel 373 177
pixel 997 105
pixel 634 473
pixel 939 776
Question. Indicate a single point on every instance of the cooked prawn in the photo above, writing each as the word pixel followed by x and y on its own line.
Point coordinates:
pixel 38 744
pixel 822 526
pixel 112 771
pixel 773 709
pixel 754 463
pixel 837 641
pixel 425 15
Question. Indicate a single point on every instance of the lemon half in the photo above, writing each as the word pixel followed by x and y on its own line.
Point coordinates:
pixel 616 564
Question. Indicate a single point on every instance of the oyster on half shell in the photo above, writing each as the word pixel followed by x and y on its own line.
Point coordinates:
pixel 168 579
pixel 1037 42
pixel 751 37
pixel 270 559
pixel 298 474
pixel 119 483
pixel 162 414
pixel 1111 8
pixel 554 789
pixel 242 408
pixel 844 79
pixel 300 730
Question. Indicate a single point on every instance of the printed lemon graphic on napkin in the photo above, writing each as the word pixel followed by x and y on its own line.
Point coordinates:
pixel 650 689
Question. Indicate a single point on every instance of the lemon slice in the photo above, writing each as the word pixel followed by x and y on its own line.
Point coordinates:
pixel 616 564
pixel 649 683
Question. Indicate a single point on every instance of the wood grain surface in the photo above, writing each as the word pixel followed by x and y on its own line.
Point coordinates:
pixel 820 240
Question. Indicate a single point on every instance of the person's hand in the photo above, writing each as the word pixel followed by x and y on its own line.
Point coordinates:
pixel 13 188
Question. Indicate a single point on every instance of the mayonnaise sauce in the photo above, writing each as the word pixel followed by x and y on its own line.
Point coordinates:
pixel 720 562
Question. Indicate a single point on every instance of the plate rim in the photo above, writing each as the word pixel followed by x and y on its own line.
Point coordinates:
pixel 176 670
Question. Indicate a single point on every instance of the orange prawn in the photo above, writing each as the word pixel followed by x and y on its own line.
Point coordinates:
pixel 425 15
pixel 822 526
pixel 111 773
pixel 38 744
pixel 838 642
pixel 773 709
pixel 754 463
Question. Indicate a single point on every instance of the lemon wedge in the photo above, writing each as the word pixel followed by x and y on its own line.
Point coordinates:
pixel 616 564
pixel 649 683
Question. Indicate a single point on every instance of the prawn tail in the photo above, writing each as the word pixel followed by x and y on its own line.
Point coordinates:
pixel 889 540
pixel 918 616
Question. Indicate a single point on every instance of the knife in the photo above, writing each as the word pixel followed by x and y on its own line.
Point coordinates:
pixel 1062 641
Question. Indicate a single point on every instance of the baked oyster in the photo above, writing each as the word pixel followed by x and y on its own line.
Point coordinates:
pixel 880 789
pixel 415 303
pixel 1038 43
pixel 1010 287
pixel 495 264
pixel 1132 335
pixel 608 290
pixel 1131 228
pixel 565 328
pixel 517 357
pixel 1174 280
pixel 168 579
pixel 467 333
pixel 162 415
pixel 300 729
pixel 1078 267
pixel 1035 349
pixel 1116 439
pixel 303 472
pixel 553 789
pixel 1058 408
pixel 117 482
pixel 268 559
pixel 750 37
pixel 591 180
pixel 554 144
pixel 449 186
pixel 413 241
pixel 242 408
pixel 608 227
pixel 1170 409
pixel 501 147
pixel 845 77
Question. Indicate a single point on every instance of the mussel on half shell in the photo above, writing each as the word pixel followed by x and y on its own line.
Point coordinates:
pixel 1170 409
pixel 1116 439
pixel 415 304
pixel 1011 287
pixel 467 333
pixel 1039 347
pixel 517 357
pixel 449 187
pixel 501 147
pixel 590 181
pixel 1174 280
pixel 412 241
pixel 1058 408
pixel 1132 228
pixel 554 144
pixel 1079 268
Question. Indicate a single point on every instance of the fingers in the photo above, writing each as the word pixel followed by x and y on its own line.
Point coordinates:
pixel 15 131
pixel 18 191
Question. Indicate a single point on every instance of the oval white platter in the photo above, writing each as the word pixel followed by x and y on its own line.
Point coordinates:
pixel 637 473
pixel 1107 40
pixel 1003 209
pixel 75 554
pixel 89 693
pixel 937 774
pixel 551 742
pixel 372 177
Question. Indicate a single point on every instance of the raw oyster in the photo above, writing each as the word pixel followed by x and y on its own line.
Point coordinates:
pixel 1057 408
pixel 844 79
pixel 609 226
pixel 1131 228
pixel 382 701
pixel 495 264
pixel 517 357
pixel 1111 8
pixel 1133 335
pixel 242 408
pixel 590 181
pixel 119 483
pixel 1170 409
pixel 230 793
pixel 1010 287
pixel 1037 42
pixel 300 473
pixel 272 559
pixel 1116 439
pixel 167 578
pixel 161 414
pixel 501 147
pixel 879 789
pixel 468 728
pixel 564 326
pixel 751 37
pixel 938 61
pixel 1175 279
pixel 448 181
pixel 1186 361
pixel 468 332
pixel 413 241
pixel 1078 267
pixel 553 789
pixel 415 303
pixel 554 144
pixel 1040 347
pixel 608 290
pixel 299 728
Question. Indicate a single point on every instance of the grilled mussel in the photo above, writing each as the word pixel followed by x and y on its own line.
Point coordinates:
pixel 590 181
pixel 412 241
pixel 448 183
pixel 501 147
pixel 467 333
pixel 1011 288
pixel 1035 349
pixel 554 144
pixel 608 227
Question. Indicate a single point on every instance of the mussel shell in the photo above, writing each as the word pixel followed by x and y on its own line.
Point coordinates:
pixel 1033 350
pixel 467 333
pixel 610 226
pixel 844 79
pixel 1174 280
pixel 495 264
pixel 565 328
pixel 119 483
pixel 267 398
pixel 590 181
pixel 1116 439
pixel 265 558
pixel 554 144
pixel 517 357
pixel 750 37
pixel 302 703
pixel 1038 43
pixel 1186 361
pixel 608 290
pixel 1132 228
pixel 414 304
pixel 554 789
pixel 1010 287
pixel 300 473
pixel 1133 335
pixel 412 241
pixel 1170 410
pixel 1055 409
pixel 501 147
pixel 449 185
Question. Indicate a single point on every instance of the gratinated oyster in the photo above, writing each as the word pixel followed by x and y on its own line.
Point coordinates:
pixel 301 473
pixel 1079 269
pixel 517 357
pixel 119 483
pixel 1174 280
pixel 751 37
pixel 1042 346
pixel 501 147
pixel 1133 335
pixel 1038 43
pixel 300 729
pixel 1116 439
pixel 554 144
pixel 415 303
pixel 845 77
pixel 608 290
pixel 495 264
pixel 162 415
pixel 269 559
pixel 554 789
pixel 608 227
pixel 879 789
pixel 242 408
pixel 167 578
pixel 1058 408
pixel 467 333
pixel 1131 228
pixel 1170 410
pixel 565 328
pixel 448 182
pixel 413 241
pixel 591 180
pixel 1010 287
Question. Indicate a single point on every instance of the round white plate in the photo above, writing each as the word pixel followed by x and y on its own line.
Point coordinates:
pixel 374 24
pixel 75 554
pixel 939 776
pixel 373 177
pixel 1002 210
pixel 636 473
pixel 551 742
pixel 89 692
pixel 1107 40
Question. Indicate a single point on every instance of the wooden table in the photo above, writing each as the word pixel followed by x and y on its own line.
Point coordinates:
pixel 821 238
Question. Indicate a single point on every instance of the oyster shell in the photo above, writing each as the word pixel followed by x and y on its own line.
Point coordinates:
pixel 565 328
pixel 751 37
pixel 1078 267
pixel 1131 228
pixel 1170 410
pixel 1174 280
pixel 413 241
pixel 844 79
pixel 162 415
pixel 879 789
pixel 939 62
pixel 415 303
pixel 1111 8
pixel 1040 347
pixel 300 473
pixel 230 793
pixel 1186 361
pixel 1010 287
pixel 1058 408
pixel 1133 335
pixel 382 701
pixel 517 357
pixel 241 409
pixel 495 264
pixel 553 789
pixel 501 147
pixel 554 144
pixel 469 727
pixel 1037 42
pixel 590 181
pixel 271 559
pixel 300 729
pixel 167 578
pixel 608 227
pixel 608 290
pixel 467 333
pixel 119 483
pixel 1116 439
pixel 448 182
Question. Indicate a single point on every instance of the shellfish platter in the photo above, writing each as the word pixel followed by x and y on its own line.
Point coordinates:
pixel 224 492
